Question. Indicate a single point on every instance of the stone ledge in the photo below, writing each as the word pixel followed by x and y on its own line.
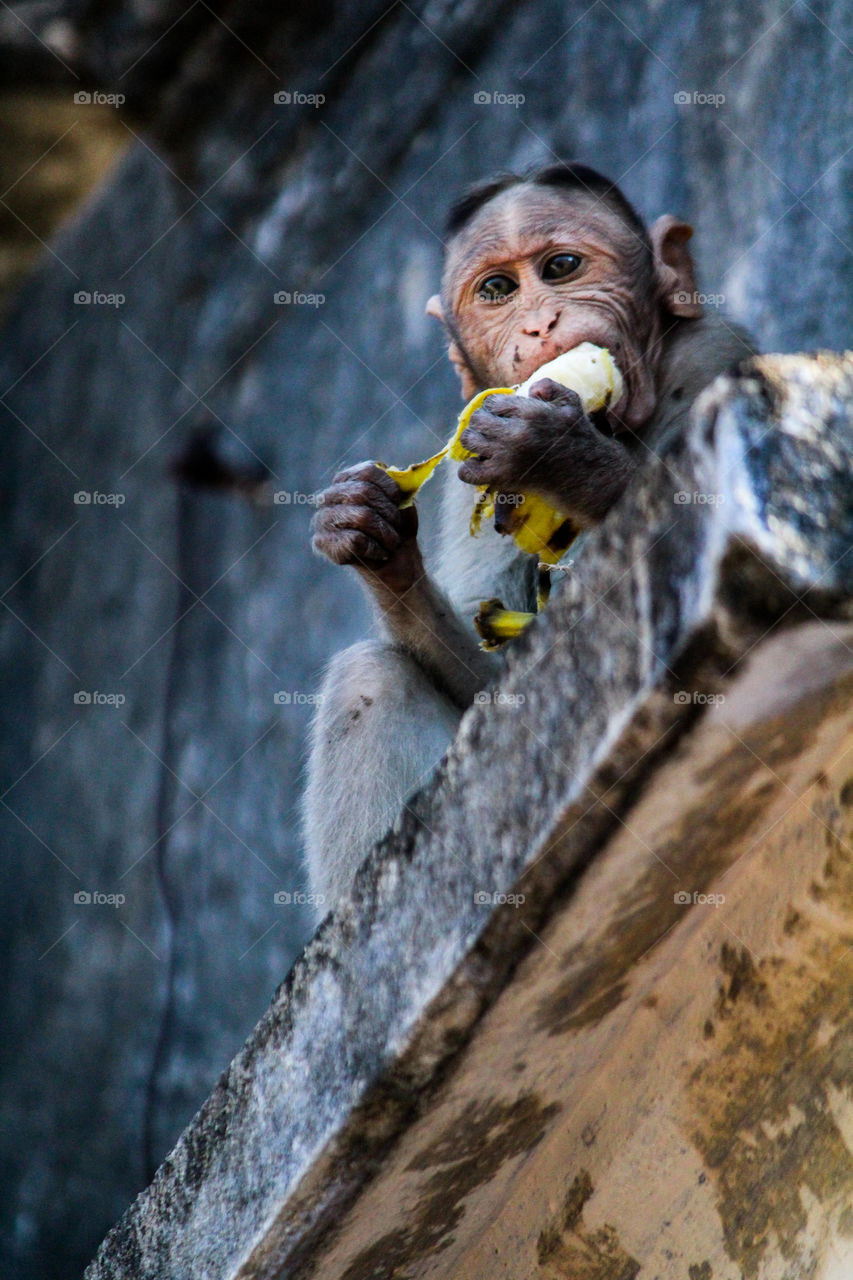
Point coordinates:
pixel 384 1012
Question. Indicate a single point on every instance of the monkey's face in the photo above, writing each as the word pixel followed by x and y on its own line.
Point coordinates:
pixel 537 272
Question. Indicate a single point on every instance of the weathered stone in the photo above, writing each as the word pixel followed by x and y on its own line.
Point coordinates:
pixel 637 1053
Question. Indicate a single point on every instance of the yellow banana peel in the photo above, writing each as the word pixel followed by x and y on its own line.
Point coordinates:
pixel 495 625
pixel 411 478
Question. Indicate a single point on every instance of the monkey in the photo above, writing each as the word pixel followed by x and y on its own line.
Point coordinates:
pixel 533 266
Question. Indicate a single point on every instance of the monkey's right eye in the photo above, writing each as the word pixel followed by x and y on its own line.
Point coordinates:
pixel 494 288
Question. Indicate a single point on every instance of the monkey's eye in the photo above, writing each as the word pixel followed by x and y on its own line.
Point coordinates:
pixel 561 266
pixel 494 288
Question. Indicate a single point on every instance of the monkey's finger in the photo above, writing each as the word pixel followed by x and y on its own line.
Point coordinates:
pixel 350 547
pixel 502 406
pixel 555 393
pixel 476 441
pixel 363 493
pixel 369 472
pixel 488 434
pixel 360 519
pixel 493 425
pixel 475 471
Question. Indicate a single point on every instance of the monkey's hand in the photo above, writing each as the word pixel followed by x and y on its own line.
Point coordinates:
pixel 545 444
pixel 359 522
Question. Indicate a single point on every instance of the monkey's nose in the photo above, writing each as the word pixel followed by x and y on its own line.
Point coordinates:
pixel 539 324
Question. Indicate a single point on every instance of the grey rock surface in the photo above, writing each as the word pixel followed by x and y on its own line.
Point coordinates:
pixel 743 595
pixel 197 606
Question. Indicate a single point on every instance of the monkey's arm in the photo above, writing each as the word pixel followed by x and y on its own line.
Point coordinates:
pixel 424 623
pixel 359 522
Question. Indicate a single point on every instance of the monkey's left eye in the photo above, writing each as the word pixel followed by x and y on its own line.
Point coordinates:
pixel 561 266
pixel 496 287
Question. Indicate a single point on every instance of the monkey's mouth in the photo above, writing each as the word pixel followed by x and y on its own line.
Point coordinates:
pixel 550 350
pixel 613 420
pixel 603 422
pixel 546 353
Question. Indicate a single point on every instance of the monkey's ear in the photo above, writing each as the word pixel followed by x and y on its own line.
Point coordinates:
pixel 454 354
pixel 468 382
pixel 674 267
pixel 434 307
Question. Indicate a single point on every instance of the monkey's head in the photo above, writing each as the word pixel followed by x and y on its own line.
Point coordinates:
pixel 534 266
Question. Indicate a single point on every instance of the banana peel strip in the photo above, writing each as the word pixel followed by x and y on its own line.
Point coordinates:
pixel 495 625
pixel 411 478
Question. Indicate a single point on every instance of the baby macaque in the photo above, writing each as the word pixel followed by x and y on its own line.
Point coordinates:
pixel 533 267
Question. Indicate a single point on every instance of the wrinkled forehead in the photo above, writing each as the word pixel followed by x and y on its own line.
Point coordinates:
pixel 524 220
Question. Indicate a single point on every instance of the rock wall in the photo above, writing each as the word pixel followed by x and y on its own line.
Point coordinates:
pixel 179 408
pixel 586 1011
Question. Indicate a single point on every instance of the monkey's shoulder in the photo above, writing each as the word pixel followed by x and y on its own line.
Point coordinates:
pixel 695 353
